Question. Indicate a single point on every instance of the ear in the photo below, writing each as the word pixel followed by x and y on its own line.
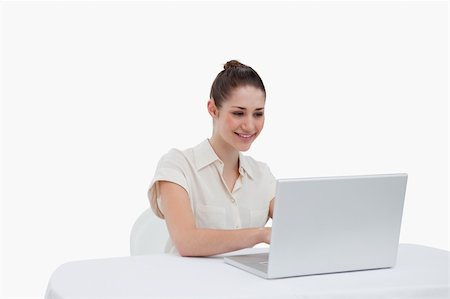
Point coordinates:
pixel 212 109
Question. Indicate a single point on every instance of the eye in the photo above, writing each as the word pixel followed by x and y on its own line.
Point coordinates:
pixel 238 113
pixel 259 114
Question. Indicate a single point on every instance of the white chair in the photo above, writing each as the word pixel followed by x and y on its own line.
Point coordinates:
pixel 148 234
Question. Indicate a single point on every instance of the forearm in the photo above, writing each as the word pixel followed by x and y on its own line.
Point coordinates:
pixel 192 241
pixel 205 242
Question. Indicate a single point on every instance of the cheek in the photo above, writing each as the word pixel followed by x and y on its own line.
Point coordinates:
pixel 231 122
pixel 260 123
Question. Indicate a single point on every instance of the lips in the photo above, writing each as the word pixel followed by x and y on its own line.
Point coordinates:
pixel 245 136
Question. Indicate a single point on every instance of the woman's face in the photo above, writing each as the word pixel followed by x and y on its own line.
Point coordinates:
pixel 241 118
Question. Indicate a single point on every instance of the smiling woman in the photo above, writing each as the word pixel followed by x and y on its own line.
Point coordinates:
pixel 213 198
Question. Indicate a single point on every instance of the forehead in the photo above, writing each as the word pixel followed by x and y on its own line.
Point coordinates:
pixel 247 97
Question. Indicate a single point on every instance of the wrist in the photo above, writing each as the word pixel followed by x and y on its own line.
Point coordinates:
pixel 264 235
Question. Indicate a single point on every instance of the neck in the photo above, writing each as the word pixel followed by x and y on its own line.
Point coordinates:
pixel 227 154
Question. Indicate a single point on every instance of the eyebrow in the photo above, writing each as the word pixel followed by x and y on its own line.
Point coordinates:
pixel 243 108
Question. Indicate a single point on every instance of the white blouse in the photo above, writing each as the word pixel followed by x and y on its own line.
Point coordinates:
pixel 199 171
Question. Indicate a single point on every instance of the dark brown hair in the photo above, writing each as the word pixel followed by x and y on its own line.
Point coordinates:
pixel 234 74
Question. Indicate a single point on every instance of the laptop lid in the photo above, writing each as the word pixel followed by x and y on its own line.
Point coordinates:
pixel 335 224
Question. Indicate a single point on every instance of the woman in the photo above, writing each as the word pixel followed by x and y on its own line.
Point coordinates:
pixel 213 198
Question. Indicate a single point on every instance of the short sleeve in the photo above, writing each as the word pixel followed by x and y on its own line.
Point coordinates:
pixel 172 168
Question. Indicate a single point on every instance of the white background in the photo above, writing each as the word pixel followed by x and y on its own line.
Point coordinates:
pixel 94 94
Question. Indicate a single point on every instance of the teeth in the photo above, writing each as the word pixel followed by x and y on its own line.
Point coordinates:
pixel 245 135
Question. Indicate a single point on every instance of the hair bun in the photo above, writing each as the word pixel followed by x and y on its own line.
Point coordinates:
pixel 233 64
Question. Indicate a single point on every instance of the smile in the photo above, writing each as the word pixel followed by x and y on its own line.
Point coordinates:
pixel 245 136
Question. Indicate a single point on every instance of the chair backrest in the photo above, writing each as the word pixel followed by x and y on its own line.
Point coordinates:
pixel 148 234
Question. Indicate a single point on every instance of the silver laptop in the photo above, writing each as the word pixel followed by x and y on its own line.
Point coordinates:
pixel 328 225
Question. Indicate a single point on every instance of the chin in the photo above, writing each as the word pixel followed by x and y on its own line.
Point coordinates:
pixel 243 147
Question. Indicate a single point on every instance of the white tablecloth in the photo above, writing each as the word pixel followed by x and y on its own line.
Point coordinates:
pixel 420 272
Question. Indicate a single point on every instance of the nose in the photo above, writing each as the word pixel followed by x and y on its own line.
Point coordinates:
pixel 248 124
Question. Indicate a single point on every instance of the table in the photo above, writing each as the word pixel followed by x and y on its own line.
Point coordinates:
pixel 420 272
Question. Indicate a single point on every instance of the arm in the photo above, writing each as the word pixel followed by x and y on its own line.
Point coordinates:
pixel 192 241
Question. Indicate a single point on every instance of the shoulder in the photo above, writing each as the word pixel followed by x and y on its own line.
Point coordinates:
pixel 254 163
pixel 260 177
pixel 196 157
pixel 176 157
pixel 174 154
pixel 254 167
